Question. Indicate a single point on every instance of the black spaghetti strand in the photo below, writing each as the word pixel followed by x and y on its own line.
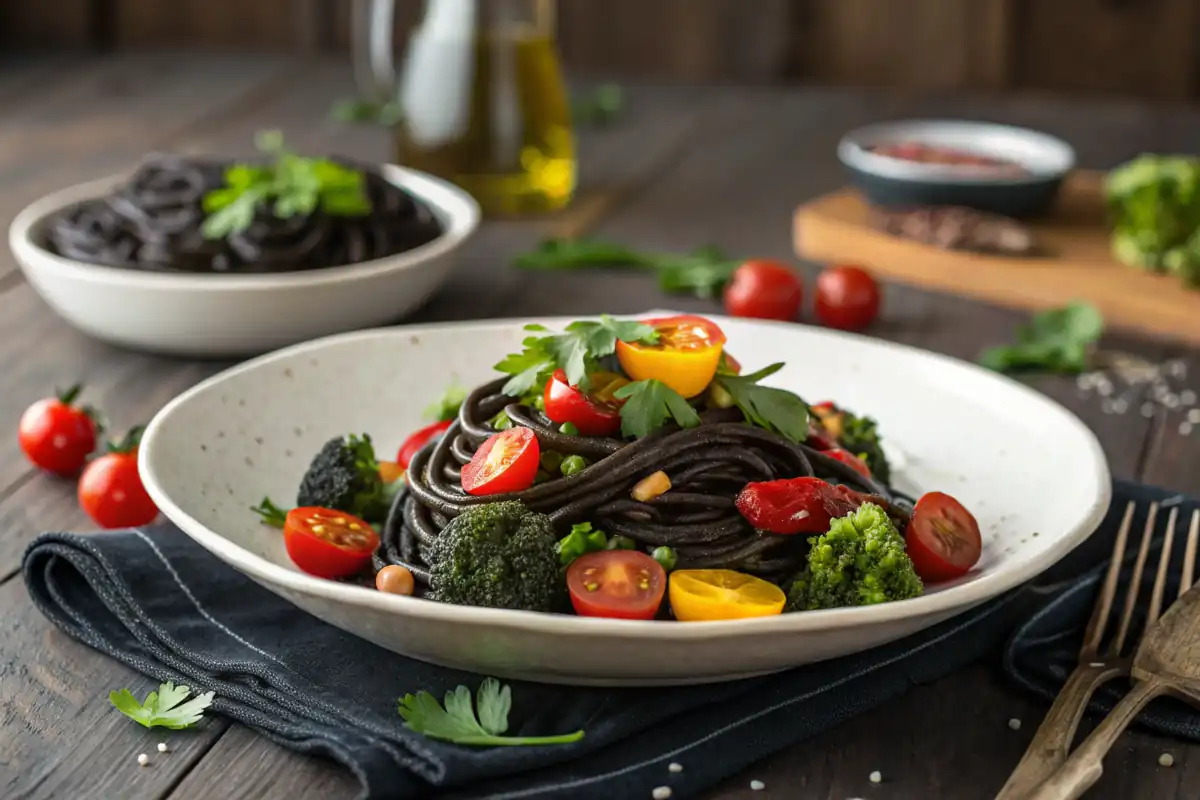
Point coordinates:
pixel 708 465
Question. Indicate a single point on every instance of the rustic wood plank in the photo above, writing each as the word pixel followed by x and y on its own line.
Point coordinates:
pixel 54 23
pixel 62 738
pixel 264 25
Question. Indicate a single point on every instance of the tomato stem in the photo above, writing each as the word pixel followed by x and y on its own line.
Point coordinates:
pixel 129 442
pixel 70 395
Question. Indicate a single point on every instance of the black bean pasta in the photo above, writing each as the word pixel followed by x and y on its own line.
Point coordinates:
pixel 154 222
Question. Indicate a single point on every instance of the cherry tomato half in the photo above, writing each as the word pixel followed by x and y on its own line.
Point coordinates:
pixel 56 435
pixel 596 413
pixel 110 489
pixel 506 462
pixel 846 457
pixel 942 538
pixel 328 543
pixel 711 594
pixel 418 439
pixel 685 357
pixel 764 289
pixel 622 584
pixel 847 298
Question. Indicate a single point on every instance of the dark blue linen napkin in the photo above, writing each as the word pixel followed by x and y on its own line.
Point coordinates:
pixel 155 600
pixel 1044 649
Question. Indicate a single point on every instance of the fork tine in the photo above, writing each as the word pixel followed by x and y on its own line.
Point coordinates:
pixel 1164 560
pixel 1100 612
pixel 1189 554
pixel 1135 583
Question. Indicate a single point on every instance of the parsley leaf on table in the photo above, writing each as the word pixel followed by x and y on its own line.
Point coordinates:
pixel 289 185
pixel 775 409
pixel 649 405
pixel 1058 340
pixel 458 723
pixel 703 272
pixel 575 351
pixel 164 708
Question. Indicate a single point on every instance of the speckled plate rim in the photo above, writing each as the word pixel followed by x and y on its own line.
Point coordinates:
pixel 954 598
pixel 458 212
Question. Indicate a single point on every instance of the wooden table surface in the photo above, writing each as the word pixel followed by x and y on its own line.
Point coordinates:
pixel 684 166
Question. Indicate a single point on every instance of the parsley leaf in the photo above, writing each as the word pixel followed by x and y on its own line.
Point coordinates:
pixel 776 410
pixel 529 368
pixel 290 185
pixel 1058 340
pixel 582 539
pixel 447 406
pixel 649 405
pixel 271 514
pixel 458 723
pixel 575 351
pixel 164 708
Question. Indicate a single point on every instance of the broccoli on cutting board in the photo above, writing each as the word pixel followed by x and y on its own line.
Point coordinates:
pixel 498 555
pixel 1154 203
pixel 860 561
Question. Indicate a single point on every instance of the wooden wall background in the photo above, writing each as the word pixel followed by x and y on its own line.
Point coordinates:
pixel 1144 48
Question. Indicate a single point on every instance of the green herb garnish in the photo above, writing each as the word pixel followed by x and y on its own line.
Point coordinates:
pixel 582 539
pixel 621 543
pixel 164 708
pixel 576 351
pixel 446 407
pixel 362 110
pixel 651 404
pixel 289 185
pixel 702 273
pixel 598 107
pixel 1058 340
pixel 271 514
pixel 776 410
pixel 1154 203
pixel 458 723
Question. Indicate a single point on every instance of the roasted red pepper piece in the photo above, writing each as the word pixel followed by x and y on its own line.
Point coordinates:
pixel 796 505
pixel 846 457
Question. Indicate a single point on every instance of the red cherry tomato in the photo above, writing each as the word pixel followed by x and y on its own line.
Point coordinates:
pixel 597 413
pixel 847 298
pixel 796 505
pixel 765 290
pixel 418 439
pixel 622 584
pixel 942 538
pixel 506 462
pixel 111 491
pixel 56 435
pixel 328 543
pixel 846 457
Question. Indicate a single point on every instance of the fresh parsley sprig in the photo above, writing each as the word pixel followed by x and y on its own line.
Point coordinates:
pixel 576 351
pixel 703 272
pixel 447 406
pixel 1058 340
pixel 649 405
pixel 459 723
pixel 165 708
pixel 288 184
pixel 775 409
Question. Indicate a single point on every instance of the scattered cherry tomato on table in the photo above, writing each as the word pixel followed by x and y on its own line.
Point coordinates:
pixel 57 435
pixel 418 439
pixel 685 357
pixel 942 538
pixel 593 413
pixel 621 584
pixel 505 462
pixel 328 543
pixel 764 289
pixel 111 491
pixel 847 298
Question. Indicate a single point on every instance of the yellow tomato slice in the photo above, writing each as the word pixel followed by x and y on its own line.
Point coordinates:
pixel 712 594
pixel 685 357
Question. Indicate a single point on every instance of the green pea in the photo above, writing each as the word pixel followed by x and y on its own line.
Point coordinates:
pixel 569 429
pixel 621 543
pixel 551 461
pixel 573 465
pixel 666 557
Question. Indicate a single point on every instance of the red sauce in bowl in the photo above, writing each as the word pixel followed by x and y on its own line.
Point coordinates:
pixel 936 154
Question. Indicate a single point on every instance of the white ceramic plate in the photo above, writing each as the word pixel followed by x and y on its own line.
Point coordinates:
pixel 240 315
pixel 1031 472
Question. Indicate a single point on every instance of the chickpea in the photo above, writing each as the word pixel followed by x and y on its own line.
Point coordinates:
pixel 394 579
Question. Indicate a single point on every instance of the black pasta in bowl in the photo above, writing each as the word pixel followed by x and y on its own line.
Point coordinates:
pixel 202 256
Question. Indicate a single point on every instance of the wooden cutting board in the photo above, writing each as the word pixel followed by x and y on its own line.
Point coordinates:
pixel 1078 264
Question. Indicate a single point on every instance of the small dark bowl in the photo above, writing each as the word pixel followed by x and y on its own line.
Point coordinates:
pixel 897 183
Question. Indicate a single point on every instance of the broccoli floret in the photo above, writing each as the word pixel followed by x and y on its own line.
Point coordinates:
pixel 344 475
pixel 499 555
pixel 859 562
pixel 858 435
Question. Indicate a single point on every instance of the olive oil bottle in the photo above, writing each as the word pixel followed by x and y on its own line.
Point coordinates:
pixel 484 104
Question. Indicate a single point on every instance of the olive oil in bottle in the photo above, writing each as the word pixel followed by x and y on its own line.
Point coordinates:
pixel 485 106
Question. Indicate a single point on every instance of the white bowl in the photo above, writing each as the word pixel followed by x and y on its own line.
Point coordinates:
pixel 238 315
pixel 1033 474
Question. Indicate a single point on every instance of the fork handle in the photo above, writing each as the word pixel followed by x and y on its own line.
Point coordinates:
pixel 1086 764
pixel 1052 743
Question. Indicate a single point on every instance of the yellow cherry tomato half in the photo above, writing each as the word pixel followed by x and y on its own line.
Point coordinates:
pixel 685 357
pixel 712 594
